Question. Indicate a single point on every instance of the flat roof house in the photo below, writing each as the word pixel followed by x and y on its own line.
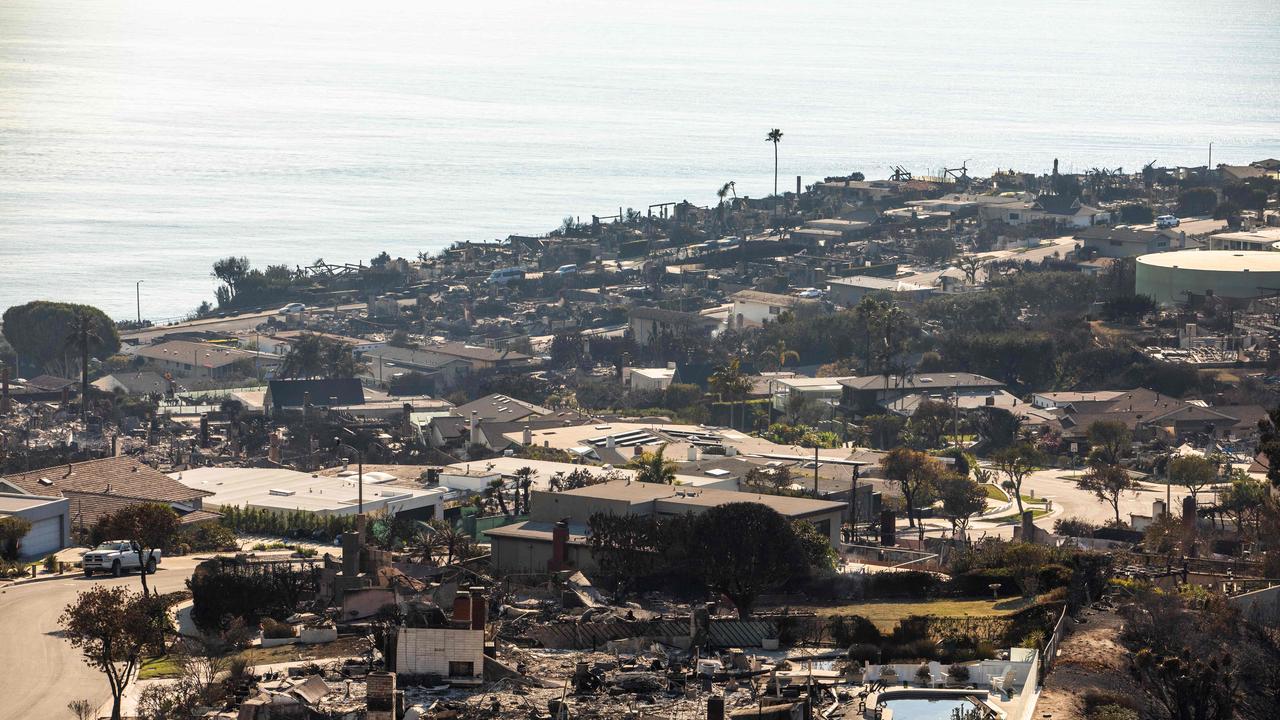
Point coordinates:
pixel 284 491
pixel 649 324
pixel 556 535
pixel 873 393
pixel 849 291
pixel 753 307
pixel 1122 242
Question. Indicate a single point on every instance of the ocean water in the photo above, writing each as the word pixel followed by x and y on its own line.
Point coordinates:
pixel 144 139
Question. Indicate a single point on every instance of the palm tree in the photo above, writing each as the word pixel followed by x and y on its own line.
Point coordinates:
pixel 778 355
pixel 84 333
pixel 651 467
pixel 721 193
pixel 731 383
pixel 524 480
pixel 306 357
pixel 775 137
pixel 493 491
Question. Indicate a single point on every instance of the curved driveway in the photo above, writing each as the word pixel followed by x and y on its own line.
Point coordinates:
pixel 42 671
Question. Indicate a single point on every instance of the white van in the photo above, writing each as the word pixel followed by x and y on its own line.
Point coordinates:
pixel 505 275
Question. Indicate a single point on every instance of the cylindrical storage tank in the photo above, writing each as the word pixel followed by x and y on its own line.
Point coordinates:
pixel 1170 277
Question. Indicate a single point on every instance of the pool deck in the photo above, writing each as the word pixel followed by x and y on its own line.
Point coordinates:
pixel 872 710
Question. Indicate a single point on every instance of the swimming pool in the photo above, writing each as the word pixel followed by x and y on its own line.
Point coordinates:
pixel 922 709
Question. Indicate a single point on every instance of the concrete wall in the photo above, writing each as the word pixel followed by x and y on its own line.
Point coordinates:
pixel 428 651
pixel 1260 606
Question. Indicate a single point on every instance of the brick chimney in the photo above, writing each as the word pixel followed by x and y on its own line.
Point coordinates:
pixel 475 428
pixel 479 609
pixel 462 608
pixel 381 695
pixel 559 546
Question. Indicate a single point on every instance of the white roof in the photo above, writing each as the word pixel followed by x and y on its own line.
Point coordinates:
pixel 879 283
pixel 1216 260
pixel 287 490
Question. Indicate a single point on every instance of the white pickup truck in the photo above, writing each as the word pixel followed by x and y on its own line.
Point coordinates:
pixel 118 557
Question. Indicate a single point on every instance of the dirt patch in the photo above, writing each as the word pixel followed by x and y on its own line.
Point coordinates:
pixel 340 648
pixel 1090 658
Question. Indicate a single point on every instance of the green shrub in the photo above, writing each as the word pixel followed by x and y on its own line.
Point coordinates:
pixel 902 585
pixel 208 537
pixel 958 673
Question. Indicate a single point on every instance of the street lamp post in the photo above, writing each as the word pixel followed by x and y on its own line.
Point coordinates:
pixel 137 289
pixel 338 447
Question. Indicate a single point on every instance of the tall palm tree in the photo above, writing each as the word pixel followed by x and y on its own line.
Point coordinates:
pixel 775 137
pixel 84 334
pixel 721 193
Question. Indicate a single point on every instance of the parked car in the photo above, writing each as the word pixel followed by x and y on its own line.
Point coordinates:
pixel 567 270
pixel 118 557
pixel 291 308
pixel 1167 221
pixel 505 276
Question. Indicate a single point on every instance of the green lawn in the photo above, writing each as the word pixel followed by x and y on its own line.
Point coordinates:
pixel 159 667
pixel 1013 517
pixel 995 493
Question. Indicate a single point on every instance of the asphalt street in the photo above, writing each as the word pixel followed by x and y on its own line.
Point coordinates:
pixel 42 671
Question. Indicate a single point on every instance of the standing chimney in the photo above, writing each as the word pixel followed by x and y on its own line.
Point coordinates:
pixel 479 609
pixel 4 399
pixel 693 453
pixel 1189 514
pixel 888 528
pixel 559 546
pixel 1028 527
pixel 797 185
pixel 528 436
pixel 715 707
pixel 204 430
pixel 475 428
pixel 462 609
pixel 350 554
pixel 380 695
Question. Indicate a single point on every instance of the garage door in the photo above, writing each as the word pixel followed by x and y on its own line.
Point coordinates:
pixel 45 537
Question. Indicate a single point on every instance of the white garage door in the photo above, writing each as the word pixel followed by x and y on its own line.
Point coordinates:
pixel 45 537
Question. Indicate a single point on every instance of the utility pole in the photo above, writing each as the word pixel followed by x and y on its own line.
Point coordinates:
pixel 137 288
pixel 815 469
pixel 853 507
pixel 1209 169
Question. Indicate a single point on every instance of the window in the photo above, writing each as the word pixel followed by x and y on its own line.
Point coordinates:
pixel 461 669
pixel 1015 216
pixel 774 309
pixel 1116 243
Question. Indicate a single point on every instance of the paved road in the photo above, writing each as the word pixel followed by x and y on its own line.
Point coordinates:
pixel 43 672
